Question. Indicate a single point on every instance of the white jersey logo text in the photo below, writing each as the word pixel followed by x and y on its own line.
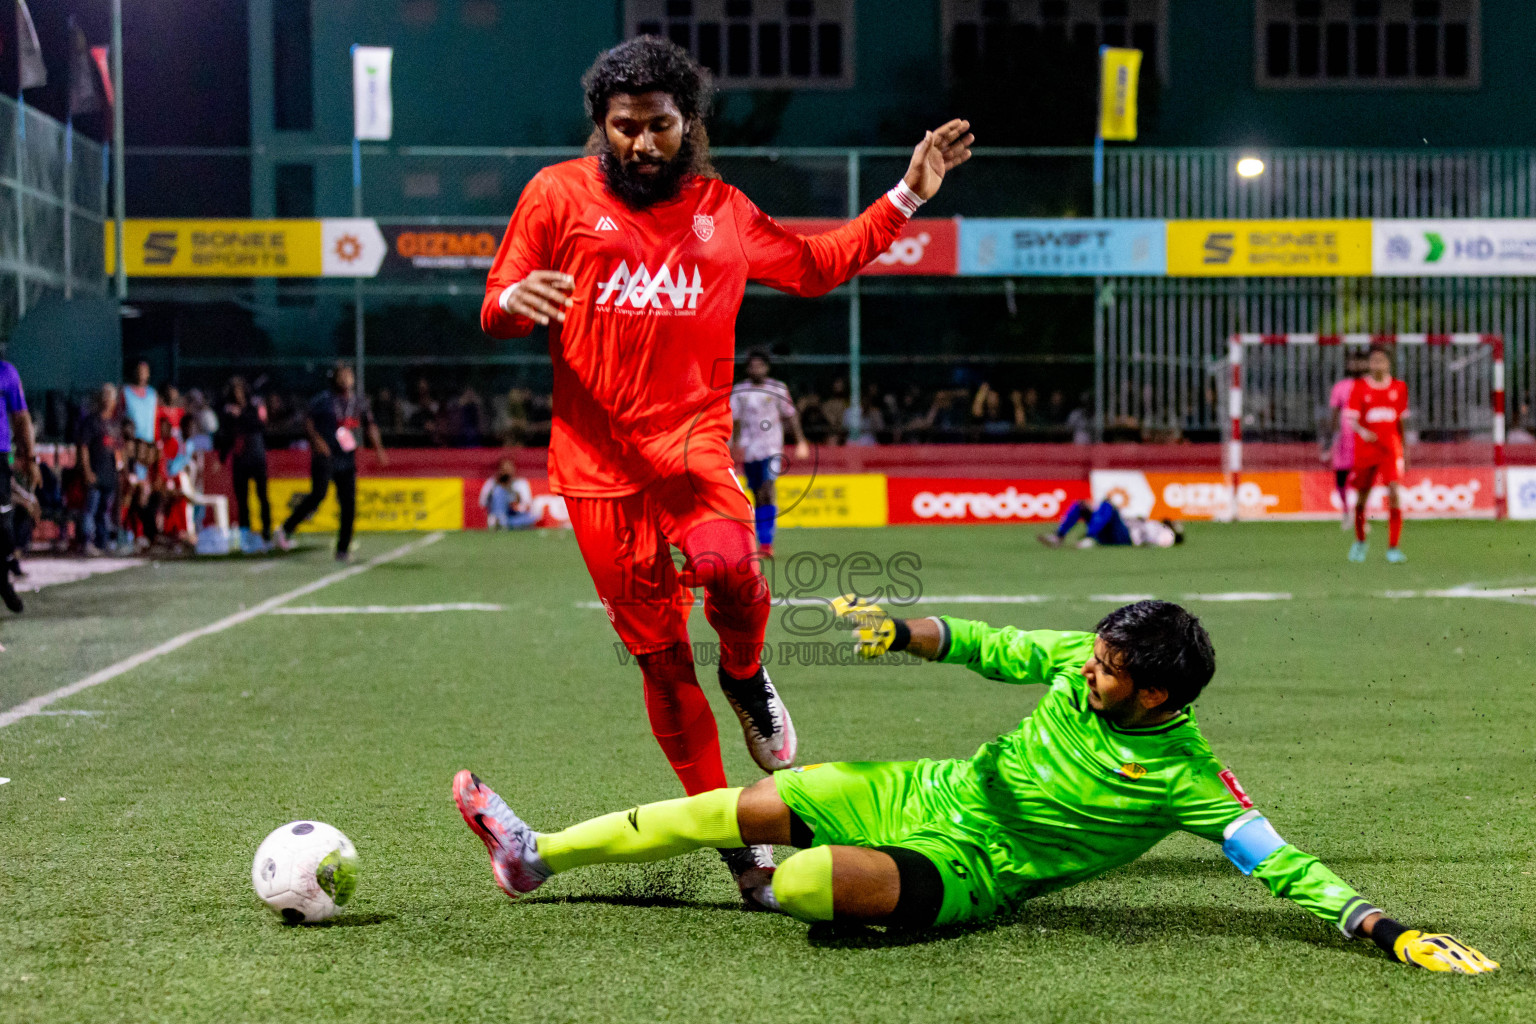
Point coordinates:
pixel 644 290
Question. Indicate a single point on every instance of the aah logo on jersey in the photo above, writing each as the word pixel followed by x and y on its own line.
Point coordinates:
pixel 642 289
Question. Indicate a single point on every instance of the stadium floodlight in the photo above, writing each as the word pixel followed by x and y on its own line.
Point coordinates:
pixel 1238 360
pixel 1250 167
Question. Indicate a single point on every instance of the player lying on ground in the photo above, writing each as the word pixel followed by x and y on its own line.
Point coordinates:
pixel 1110 762
pixel 636 258
pixel 1105 526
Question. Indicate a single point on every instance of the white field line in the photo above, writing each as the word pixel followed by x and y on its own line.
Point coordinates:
pixel 999 599
pixel 28 708
pixel 1512 595
pixel 1241 595
pixel 51 572
pixel 387 609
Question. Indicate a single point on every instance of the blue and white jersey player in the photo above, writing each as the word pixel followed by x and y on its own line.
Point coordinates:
pixel 761 409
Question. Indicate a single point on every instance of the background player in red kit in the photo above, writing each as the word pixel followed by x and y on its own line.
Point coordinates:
pixel 637 258
pixel 1376 410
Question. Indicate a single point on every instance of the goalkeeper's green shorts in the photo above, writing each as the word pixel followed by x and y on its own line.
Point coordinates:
pixel 910 804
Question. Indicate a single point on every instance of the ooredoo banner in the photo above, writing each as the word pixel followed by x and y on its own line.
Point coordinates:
pixel 927 246
pixel 959 500
pixel 1434 493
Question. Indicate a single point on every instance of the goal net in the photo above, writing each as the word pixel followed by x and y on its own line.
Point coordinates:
pixel 1278 452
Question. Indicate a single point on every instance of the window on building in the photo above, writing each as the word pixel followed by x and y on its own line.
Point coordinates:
pixel 293 105
pixel 1406 44
pixel 990 36
pixel 757 44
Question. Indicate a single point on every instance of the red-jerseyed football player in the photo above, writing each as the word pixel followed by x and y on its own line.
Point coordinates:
pixel 637 257
pixel 1376 411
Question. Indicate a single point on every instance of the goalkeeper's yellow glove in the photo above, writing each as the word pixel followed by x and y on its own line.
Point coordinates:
pixel 874 631
pixel 1432 951
pixel 1436 952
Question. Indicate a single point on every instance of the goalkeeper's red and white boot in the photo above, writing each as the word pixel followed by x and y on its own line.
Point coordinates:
pixel 513 846
pixel 753 868
pixel 765 721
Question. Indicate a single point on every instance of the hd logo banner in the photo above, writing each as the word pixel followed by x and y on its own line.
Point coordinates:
pixel 1269 248
pixel 1454 248
pixel 332 247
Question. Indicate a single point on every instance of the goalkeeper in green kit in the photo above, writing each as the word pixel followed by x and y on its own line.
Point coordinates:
pixel 1110 762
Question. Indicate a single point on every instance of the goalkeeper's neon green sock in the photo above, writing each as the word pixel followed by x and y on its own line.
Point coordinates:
pixel 646 833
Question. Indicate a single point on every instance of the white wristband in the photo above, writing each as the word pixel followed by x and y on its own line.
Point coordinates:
pixel 506 293
pixel 904 199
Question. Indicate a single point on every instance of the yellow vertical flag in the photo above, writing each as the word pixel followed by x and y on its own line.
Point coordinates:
pixel 1119 72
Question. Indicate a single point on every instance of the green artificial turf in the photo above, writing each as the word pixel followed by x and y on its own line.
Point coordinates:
pixel 1392 738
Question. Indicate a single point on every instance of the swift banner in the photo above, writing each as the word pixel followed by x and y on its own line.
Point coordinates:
pixel 1062 248
pixel 333 247
pixel 1269 248
pixel 1454 248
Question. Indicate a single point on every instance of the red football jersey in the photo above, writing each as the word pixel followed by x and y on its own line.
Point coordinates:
pixel 644 362
pixel 1380 410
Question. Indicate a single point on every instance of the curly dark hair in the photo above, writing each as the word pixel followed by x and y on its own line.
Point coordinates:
pixel 651 64
pixel 1158 644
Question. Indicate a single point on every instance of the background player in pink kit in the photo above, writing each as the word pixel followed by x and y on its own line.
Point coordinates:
pixel 1341 451
pixel 761 408
pixel 1377 407
pixel 637 258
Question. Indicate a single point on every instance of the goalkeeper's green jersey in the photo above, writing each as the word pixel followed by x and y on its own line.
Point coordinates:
pixel 1076 795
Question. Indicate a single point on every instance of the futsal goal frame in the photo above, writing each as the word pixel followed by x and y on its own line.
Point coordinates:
pixel 1238 345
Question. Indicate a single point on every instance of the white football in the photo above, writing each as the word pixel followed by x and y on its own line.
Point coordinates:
pixel 306 871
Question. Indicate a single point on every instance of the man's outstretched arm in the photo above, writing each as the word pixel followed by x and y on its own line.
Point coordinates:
pixel 1206 804
pixel 1004 653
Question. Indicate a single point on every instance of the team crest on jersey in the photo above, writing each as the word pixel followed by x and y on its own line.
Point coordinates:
pixel 704 226
pixel 1132 770
pixel 1235 788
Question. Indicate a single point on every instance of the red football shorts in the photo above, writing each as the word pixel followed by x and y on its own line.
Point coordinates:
pixel 627 544
pixel 1371 469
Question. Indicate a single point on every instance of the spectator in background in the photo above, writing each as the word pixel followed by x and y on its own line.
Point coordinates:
pixel 422 410
pixel 508 500
pixel 1056 409
pixel 15 439
pixel 1027 411
pixel 464 419
pixel 336 418
pixel 388 412
pixel 871 424
pixel 1080 420
pixel 141 403
pixel 172 410
pixel 814 425
pixel 988 414
pixel 835 409
pixel 242 442
pixel 510 420
pixel 1524 430
pixel 100 442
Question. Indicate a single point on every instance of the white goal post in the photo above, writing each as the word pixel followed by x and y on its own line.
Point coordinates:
pixel 1238 344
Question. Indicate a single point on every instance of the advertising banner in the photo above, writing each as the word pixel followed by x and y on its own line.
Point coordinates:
pixel 1435 493
pixel 1522 492
pixel 383 503
pixel 1119 71
pixel 1062 248
pixel 926 246
pixel 832 499
pixel 332 247
pixel 959 500
pixel 1197 495
pixel 1454 248
pixel 457 250
pixel 1269 248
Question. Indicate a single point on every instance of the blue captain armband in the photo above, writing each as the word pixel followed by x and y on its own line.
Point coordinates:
pixel 1248 840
